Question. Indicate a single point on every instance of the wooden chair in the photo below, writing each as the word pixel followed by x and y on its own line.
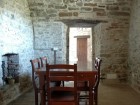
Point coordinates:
pixel 83 85
pixel 43 61
pixel 43 65
pixel 95 89
pixel 35 66
pixel 62 95
pixel 89 78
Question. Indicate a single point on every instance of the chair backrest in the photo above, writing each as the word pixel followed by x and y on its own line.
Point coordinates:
pixel 61 72
pixel 97 67
pixel 43 61
pixel 35 66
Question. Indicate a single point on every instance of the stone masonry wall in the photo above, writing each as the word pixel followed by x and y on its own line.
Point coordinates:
pixel 134 46
pixel 97 40
pixel 49 35
pixel 114 36
pixel 16 33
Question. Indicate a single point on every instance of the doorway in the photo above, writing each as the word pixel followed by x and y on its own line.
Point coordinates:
pixel 80 47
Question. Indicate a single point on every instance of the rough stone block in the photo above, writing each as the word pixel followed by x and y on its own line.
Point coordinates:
pixel 90 4
pixel 65 14
pixel 101 13
pixel 98 10
pixel 110 7
pixel 86 9
pixel 75 13
pixel 120 13
pixel 73 8
pixel 61 7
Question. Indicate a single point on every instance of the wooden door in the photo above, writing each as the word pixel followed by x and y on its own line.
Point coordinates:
pixel 82 53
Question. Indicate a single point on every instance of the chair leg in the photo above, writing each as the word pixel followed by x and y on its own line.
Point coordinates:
pixel 36 98
pixel 96 97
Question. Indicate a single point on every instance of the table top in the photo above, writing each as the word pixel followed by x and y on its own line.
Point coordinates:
pixel 43 70
pixel 81 75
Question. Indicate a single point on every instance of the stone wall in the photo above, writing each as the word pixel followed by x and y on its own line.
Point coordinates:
pixel 49 35
pixel 16 32
pixel 134 46
pixel 97 40
pixel 114 36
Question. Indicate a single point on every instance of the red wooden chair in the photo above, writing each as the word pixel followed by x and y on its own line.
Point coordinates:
pixel 35 66
pixel 43 65
pixel 83 85
pixel 89 78
pixel 95 89
pixel 62 95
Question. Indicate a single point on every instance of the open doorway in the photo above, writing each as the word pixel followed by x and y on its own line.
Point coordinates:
pixel 80 47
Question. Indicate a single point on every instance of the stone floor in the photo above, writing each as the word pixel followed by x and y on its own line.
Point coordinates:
pixel 110 93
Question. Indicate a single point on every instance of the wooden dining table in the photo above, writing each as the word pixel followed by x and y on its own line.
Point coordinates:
pixel 82 76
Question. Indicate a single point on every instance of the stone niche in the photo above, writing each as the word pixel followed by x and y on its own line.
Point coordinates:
pixel 9 92
pixel 10 68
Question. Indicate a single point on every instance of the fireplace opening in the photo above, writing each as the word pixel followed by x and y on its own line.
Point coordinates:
pixel 10 68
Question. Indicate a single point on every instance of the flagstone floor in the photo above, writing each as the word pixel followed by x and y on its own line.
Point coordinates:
pixel 110 93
